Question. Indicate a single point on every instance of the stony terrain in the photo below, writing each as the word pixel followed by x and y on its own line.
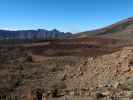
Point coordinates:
pixel 67 70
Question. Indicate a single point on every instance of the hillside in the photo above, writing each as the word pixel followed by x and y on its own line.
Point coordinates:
pixel 120 30
pixel 94 67
pixel 79 69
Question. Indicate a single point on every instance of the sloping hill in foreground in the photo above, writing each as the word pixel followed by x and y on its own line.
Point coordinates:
pixel 62 69
pixel 120 30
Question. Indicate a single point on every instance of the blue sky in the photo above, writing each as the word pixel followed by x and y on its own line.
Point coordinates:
pixel 65 15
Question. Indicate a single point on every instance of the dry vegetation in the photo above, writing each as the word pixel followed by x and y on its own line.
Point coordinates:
pixel 77 69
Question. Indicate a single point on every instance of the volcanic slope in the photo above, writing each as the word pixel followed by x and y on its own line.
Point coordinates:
pixel 120 30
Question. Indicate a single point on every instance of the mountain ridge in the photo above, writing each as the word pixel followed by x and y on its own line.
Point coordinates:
pixel 121 30
pixel 33 34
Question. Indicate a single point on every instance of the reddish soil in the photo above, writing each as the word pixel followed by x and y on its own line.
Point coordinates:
pixel 76 47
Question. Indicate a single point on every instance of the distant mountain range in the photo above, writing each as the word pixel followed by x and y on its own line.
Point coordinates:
pixel 120 30
pixel 33 34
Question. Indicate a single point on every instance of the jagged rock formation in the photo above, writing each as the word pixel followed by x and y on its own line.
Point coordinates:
pixel 33 34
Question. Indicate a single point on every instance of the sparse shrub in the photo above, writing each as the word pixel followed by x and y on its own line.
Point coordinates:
pixel 29 58
pixel 99 95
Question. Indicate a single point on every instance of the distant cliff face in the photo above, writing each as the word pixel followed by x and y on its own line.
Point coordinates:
pixel 33 34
